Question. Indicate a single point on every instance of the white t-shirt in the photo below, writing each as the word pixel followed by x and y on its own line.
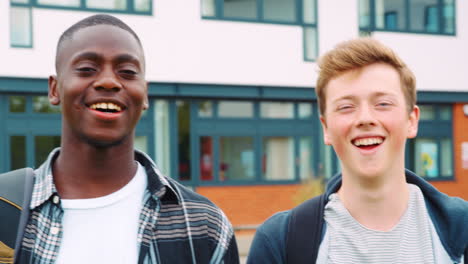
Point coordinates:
pixel 410 241
pixel 103 229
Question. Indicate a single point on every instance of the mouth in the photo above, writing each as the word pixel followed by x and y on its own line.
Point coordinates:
pixel 368 143
pixel 106 107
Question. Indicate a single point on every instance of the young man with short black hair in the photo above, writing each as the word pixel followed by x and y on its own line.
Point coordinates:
pixel 96 199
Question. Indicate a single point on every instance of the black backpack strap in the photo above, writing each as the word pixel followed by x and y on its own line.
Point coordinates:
pixel 15 197
pixel 305 231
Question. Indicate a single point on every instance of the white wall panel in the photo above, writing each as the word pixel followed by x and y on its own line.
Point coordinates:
pixel 182 47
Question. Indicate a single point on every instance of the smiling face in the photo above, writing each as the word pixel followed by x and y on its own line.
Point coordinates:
pixel 100 85
pixel 367 121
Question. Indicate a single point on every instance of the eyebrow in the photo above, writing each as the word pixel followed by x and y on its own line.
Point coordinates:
pixel 127 58
pixel 353 97
pixel 87 55
pixel 93 56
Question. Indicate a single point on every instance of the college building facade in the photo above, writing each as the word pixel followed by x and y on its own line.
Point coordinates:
pixel 233 112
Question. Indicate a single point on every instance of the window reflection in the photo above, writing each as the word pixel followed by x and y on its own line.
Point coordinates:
pixel 20 26
pixel 276 110
pixel 162 136
pixel 42 147
pixel 235 109
pixel 279 10
pixel 141 5
pixel 41 104
pixel 390 15
pixel 183 125
pixel 206 158
pixel 236 158
pixel 17 104
pixel 306 170
pixel 426 158
pixel 69 3
pixel 205 109
pixel 240 8
pixel 278 158
pixel 17 152
pixel 107 4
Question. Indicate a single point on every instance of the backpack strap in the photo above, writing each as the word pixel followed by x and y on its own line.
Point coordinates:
pixel 15 197
pixel 305 231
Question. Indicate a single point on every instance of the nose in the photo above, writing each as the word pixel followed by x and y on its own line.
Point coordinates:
pixel 107 81
pixel 365 116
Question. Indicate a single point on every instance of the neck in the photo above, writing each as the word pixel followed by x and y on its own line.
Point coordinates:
pixel 83 171
pixel 377 203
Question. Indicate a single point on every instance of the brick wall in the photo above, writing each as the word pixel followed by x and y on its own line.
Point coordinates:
pixel 251 205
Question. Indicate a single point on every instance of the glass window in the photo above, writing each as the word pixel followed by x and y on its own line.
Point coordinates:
pixel 427 112
pixel 162 136
pixel 308 11
pixel 236 158
pixel 449 16
pixel 235 109
pixel 304 110
pixel 424 15
pixel 107 4
pixel 41 104
pixel 141 143
pixel 141 5
pixel 306 170
pixel 42 147
pixel 445 113
pixel 68 3
pixel 17 152
pixel 327 161
pixel 240 9
pixel 20 26
pixel 206 158
pixel 421 16
pixel 17 104
pixel 276 110
pixel 310 43
pixel 426 157
pixel 278 158
pixel 390 15
pixel 279 10
pixel 208 8
pixel 446 156
pixel 364 14
pixel 205 109
pixel 183 125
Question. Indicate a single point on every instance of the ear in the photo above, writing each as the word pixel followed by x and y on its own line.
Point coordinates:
pixel 54 93
pixel 326 138
pixel 413 122
pixel 146 101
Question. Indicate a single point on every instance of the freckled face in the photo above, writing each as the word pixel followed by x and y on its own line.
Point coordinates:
pixel 100 85
pixel 367 122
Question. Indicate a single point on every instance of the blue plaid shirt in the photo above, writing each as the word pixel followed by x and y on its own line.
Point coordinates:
pixel 176 224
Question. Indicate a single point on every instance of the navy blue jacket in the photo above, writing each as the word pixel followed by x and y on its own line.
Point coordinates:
pixel 449 216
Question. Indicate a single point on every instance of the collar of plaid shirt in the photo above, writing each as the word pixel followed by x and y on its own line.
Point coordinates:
pixel 174 222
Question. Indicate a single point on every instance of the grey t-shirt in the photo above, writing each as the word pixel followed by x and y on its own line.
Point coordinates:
pixel 347 241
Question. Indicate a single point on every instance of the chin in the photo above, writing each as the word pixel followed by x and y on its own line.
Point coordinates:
pixel 101 143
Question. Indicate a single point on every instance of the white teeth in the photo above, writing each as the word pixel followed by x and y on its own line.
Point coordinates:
pixel 367 141
pixel 111 106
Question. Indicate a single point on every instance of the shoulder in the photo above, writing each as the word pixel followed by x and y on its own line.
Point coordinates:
pixel 449 216
pixel 207 219
pixel 269 244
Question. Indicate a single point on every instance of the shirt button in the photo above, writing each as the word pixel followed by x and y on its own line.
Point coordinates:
pixel 54 230
pixel 55 199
